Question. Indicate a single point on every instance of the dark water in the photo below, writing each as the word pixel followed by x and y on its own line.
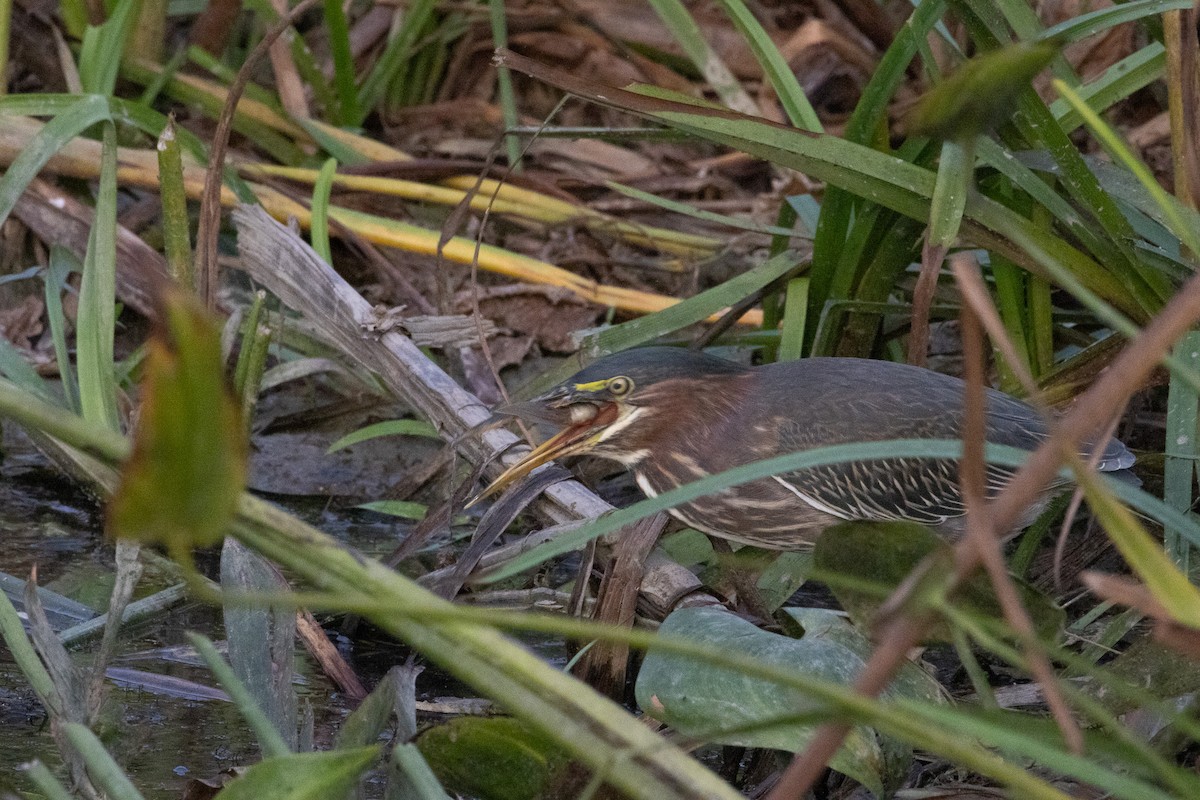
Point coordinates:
pixel 161 738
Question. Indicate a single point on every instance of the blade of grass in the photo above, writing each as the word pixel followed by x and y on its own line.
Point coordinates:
pixel 687 312
pixel 62 264
pixel 17 369
pixel 702 214
pixel 1147 559
pixel 1134 72
pixel 5 33
pixel 171 66
pixel 132 113
pixel 76 117
pixel 97 299
pixel 257 121
pixel 1111 142
pixel 1100 20
pixel 103 48
pixel 783 79
pixel 269 739
pixel 688 35
pixel 1182 450
pixel 498 19
pixel 101 767
pixel 507 200
pixel 394 427
pixel 347 112
pixel 227 75
pixel 791 338
pixel 1010 303
pixel 955 177
pixel 44 779
pixel 319 229
pixel 176 237
pixel 392 62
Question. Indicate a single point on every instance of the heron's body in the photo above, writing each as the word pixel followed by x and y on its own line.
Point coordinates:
pixel 687 415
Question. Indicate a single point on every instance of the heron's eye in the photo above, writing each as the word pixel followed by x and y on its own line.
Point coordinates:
pixel 620 386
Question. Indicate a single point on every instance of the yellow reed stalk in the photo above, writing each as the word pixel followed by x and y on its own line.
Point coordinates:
pixel 80 158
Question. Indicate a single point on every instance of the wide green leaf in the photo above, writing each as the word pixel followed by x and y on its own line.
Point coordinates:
pixel 981 93
pixel 882 555
pixel 717 704
pixel 182 483
pixel 302 776
pixel 497 758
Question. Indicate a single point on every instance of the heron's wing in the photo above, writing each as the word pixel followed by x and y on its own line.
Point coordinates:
pixel 916 489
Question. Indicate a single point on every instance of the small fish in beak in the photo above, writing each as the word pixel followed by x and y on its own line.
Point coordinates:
pixel 581 423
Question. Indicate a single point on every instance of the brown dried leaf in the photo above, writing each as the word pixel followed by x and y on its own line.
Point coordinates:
pixel 22 323
pixel 549 316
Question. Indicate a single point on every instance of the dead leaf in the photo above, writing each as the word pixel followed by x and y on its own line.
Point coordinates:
pixel 547 315
pixel 22 323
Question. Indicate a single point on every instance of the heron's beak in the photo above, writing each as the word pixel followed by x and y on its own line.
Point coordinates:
pixel 583 422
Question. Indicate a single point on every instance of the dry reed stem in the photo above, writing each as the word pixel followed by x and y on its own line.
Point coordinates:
pixel 210 201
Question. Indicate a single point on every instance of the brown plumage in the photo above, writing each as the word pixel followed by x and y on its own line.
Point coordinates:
pixel 674 416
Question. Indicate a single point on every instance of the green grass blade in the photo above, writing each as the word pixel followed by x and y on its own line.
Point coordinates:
pixel 795 320
pixel 688 312
pixel 62 264
pixel 133 113
pixel 347 112
pixel 688 35
pixel 176 236
pixel 1182 450
pixel 319 230
pixel 1098 21
pixel 1169 586
pixel 1010 302
pixel 702 214
pixel 783 79
pixel 393 427
pixel 1022 17
pixel 1004 731
pixel 1134 72
pixel 269 738
pixel 1041 325
pixel 44 779
pixel 1028 181
pixel 498 18
pixel 15 368
pixel 74 118
pixel 1187 234
pixel 103 48
pixel 97 299
pixel 955 174
pixel 393 62
pixel 102 769
pixel 227 74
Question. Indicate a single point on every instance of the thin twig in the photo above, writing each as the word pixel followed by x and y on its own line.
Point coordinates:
pixel 975 294
pixel 1060 545
pixel 476 314
pixel 210 201
pixel 973 474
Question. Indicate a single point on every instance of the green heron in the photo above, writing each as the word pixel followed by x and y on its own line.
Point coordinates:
pixel 674 416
